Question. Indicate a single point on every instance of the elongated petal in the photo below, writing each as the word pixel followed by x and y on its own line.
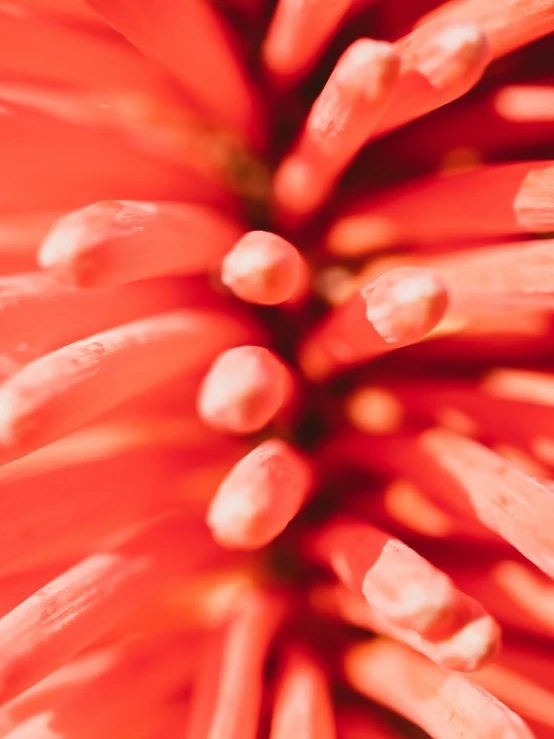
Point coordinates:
pixel 491 201
pixel 61 391
pixel 39 314
pixel 64 513
pixel 38 699
pixel 444 704
pixel 359 724
pixel 191 42
pixel 298 33
pixel 303 707
pixel 125 698
pixel 53 52
pixel 518 594
pixel 522 680
pixel 471 408
pixel 505 499
pixel 227 692
pixel 51 163
pixel 114 242
pixel 404 589
pixel 508 24
pixel 465 650
pixel 517 274
pixel 59 620
pixel 76 9
pixel 439 63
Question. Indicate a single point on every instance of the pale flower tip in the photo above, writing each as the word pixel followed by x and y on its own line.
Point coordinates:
pixel 230 518
pixel 259 496
pixel 279 52
pixel 67 252
pixel 455 55
pixel 414 606
pixel 375 410
pixel 370 66
pixel 263 268
pixel 314 363
pixel 405 304
pixel 340 122
pixel 357 235
pixel 355 657
pixel 296 189
pixel 298 33
pixel 17 430
pixel 473 646
pixel 276 57
pixel 244 389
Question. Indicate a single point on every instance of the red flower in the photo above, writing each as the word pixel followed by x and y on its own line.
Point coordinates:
pixel 275 344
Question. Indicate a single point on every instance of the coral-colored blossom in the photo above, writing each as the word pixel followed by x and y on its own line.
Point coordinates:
pixel 276 369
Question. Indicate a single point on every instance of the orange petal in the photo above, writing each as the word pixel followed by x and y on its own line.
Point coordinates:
pixel 444 704
pixel 114 242
pixel 227 692
pixel 61 391
pixel 70 612
pixel 303 708
pixel 191 43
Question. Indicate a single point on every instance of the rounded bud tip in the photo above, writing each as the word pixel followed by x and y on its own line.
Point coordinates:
pixel 244 389
pixel 263 268
pixel 405 304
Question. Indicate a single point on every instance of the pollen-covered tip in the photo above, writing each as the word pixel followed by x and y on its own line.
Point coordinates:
pixel 408 590
pixel 264 268
pixel 260 496
pixel 70 250
pixel 243 390
pixel 405 304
